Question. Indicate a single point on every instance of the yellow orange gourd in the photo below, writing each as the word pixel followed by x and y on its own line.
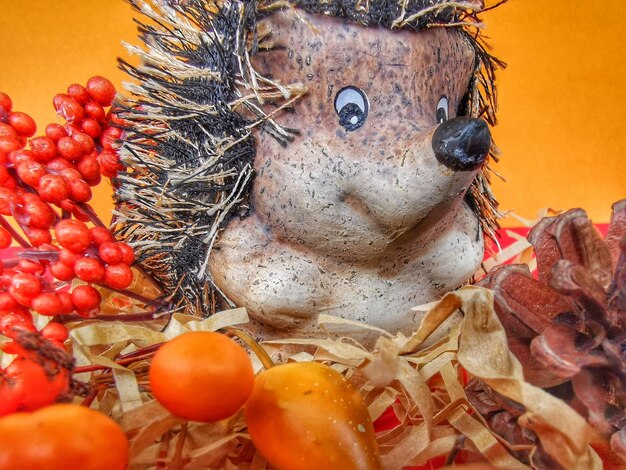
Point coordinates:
pixel 308 416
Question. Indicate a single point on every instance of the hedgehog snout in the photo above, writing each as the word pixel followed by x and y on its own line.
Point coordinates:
pixel 462 143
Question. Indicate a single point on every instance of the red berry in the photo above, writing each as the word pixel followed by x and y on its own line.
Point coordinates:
pixel 22 155
pixel 55 332
pixel 66 301
pixel 9 322
pixel 30 266
pixel 109 138
pixel 68 257
pixel 50 250
pixel 39 214
pixel 10 183
pixel 53 188
pixel 7 302
pixel 79 190
pixel 8 200
pixel 58 164
pixel 89 269
pixel 91 127
pixel 70 174
pixel 6 277
pixel 101 90
pixel 109 164
pixel 5 102
pixel 94 181
pixel 95 111
pixel 38 236
pixel 70 149
pixel 58 99
pixel 71 110
pixel 24 284
pixel 101 235
pixel 23 313
pixel 23 124
pixel 86 298
pixel 44 148
pixel 5 176
pixel 61 271
pixel 34 385
pixel 5 238
pixel 73 235
pixel 28 196
pixel 47 303
pixel 88 313
pixel 30 172
pixel 85 142
pixel 114 118
pixel 72 129
pixel 9 399
pixel 68 205
pixel 9 144
pixel 21 299
pixel 8 131
pixel 118 276
pixel 115 132
pixel 79 93
pixel 110 253
pixel 88 167
pixel 128 254
pixel 55 131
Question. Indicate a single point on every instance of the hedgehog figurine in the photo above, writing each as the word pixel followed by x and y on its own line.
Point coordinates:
pixel 302 157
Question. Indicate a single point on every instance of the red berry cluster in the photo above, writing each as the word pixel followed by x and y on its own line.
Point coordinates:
pixel 37 175
pixel 60 167
pixel 92 255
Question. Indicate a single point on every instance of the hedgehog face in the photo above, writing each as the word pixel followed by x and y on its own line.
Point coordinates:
pixel 362 215
pixel 363 166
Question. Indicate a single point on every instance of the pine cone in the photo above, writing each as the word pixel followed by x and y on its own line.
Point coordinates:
pixel 501 415
pixel 568 327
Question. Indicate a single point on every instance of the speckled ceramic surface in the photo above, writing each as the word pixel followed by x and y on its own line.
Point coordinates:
pixel 362 216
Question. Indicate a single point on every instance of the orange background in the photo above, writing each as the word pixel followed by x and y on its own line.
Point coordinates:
pixel 562 97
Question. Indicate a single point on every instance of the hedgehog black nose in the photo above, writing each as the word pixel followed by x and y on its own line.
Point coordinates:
pixel 462 143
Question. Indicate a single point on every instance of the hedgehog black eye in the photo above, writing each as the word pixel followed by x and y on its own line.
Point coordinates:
pixel 442 109
pixel 352 106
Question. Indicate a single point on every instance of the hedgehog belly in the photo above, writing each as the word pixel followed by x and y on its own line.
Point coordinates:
pixel 285 289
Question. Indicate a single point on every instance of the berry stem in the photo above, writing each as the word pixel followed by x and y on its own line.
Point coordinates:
pixel 16 236
pixel 31 190
pixel 93 217
pixel 141 351
pixel 261 353
pixel 135 356
pixel 130 295
pixel 38 255
pixel 131 317
pixel 90 398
